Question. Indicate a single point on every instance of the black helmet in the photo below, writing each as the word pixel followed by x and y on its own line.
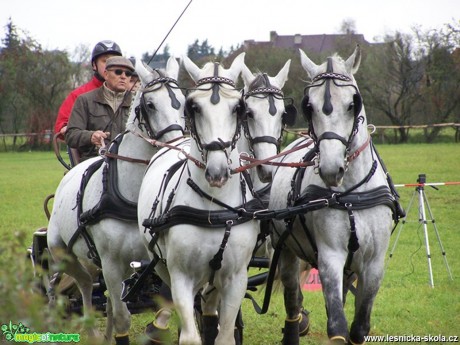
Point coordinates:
pixel 105 47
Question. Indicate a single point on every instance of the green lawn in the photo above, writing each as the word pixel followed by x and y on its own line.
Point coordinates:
pixel 405 305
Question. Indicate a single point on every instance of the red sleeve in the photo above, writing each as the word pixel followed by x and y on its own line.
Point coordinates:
pixel 64 112
pixel 66 107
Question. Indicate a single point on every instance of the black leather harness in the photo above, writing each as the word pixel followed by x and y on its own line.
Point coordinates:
pixel 111 205
pixel 180 214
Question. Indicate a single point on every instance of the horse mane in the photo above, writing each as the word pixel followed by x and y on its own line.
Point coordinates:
pixel 132 110
pixel 258 82
pixel 136 100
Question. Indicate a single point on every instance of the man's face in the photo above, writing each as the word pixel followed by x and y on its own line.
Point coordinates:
pixel 99 64
pixel 117 78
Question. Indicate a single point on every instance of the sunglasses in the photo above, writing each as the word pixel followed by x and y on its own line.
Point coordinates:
pixel 120 72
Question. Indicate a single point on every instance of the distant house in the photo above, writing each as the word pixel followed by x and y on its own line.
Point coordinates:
pixel 319 44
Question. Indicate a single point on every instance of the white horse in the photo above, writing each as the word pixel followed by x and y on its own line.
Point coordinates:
pixel 196 229
pixel 156 113
pixel 338 215
pixel 265 117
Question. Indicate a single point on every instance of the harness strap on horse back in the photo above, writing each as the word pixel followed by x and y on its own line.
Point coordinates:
pixel 111 205
pixel 81 230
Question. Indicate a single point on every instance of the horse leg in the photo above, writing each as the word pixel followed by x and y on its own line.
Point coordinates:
pixel 331 275
pixel 232 294
pixel 109 323
pixel 84 281
pixel 209 316
pixel 288 267
pixel 367 288
pixel 183 297
pixel 158 331
pixel 121 315
pixel 304 323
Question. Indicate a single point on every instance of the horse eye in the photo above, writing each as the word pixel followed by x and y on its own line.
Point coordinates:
pixel 196 108
pixel 249 114
pixel 351 106
pixel 150 105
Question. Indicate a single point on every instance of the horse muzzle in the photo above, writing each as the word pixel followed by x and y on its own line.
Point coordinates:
pixel 216 177
pixel 264 173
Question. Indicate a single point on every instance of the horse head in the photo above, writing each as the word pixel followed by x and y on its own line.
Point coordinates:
pixel 213 112
pixel 333 109
pixel 266 115
pixel 159 103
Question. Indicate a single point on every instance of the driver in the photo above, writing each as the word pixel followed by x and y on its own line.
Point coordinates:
pixel 101 52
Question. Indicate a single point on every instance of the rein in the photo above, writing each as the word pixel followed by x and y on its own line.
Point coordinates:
pixel 169 145
pixel 268 161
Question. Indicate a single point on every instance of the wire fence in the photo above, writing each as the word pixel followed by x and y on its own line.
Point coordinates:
pixel 448 132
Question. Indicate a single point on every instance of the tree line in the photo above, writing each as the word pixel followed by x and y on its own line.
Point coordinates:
pixel 405 80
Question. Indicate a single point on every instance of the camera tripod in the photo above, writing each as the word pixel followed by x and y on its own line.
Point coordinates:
pixel 422 202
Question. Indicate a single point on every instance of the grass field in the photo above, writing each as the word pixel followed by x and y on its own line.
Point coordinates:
pixel 406 305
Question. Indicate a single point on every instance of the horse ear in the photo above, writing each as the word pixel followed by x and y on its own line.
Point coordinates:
pixel 247 76
pixel 192 69
pixel 172 68
pixel 354 60
pixel 282 75
pixel 308 65
pixel 306 108
pixel 290 115
pixel 143 72
pixel 236 67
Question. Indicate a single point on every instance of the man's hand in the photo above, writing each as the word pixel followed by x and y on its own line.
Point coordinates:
pixel 97 138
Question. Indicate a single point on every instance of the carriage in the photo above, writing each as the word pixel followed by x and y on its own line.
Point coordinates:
pixel 177 178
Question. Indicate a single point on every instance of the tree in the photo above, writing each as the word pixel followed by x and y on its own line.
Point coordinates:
pixel 13 104
pixel 391 81
pixel 348 26
pixel 159 60
pixel 33 83
pixel 440 93
pixel 197 51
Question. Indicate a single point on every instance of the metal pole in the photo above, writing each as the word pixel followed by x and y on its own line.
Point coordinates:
pixel 443 252
pixel 403 222
pixel 422 219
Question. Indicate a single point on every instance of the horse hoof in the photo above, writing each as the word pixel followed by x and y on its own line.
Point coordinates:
pixel 291 331
pixel 122 340
pixel 157 335
pixel 304 323
pixel 338 339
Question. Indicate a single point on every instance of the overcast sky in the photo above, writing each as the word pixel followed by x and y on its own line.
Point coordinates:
pixel 139 26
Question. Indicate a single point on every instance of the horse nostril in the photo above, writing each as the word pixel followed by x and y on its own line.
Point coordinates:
pixel 207 175
pixel 340 174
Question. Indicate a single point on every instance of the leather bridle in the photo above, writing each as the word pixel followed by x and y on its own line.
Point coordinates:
pixel 270 92
pixel 216 82
pixel 325 79
pixel 142 109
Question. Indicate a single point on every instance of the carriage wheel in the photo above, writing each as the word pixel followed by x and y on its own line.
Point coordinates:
pixel 40 257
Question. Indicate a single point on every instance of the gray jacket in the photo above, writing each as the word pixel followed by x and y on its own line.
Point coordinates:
pixel 92 112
